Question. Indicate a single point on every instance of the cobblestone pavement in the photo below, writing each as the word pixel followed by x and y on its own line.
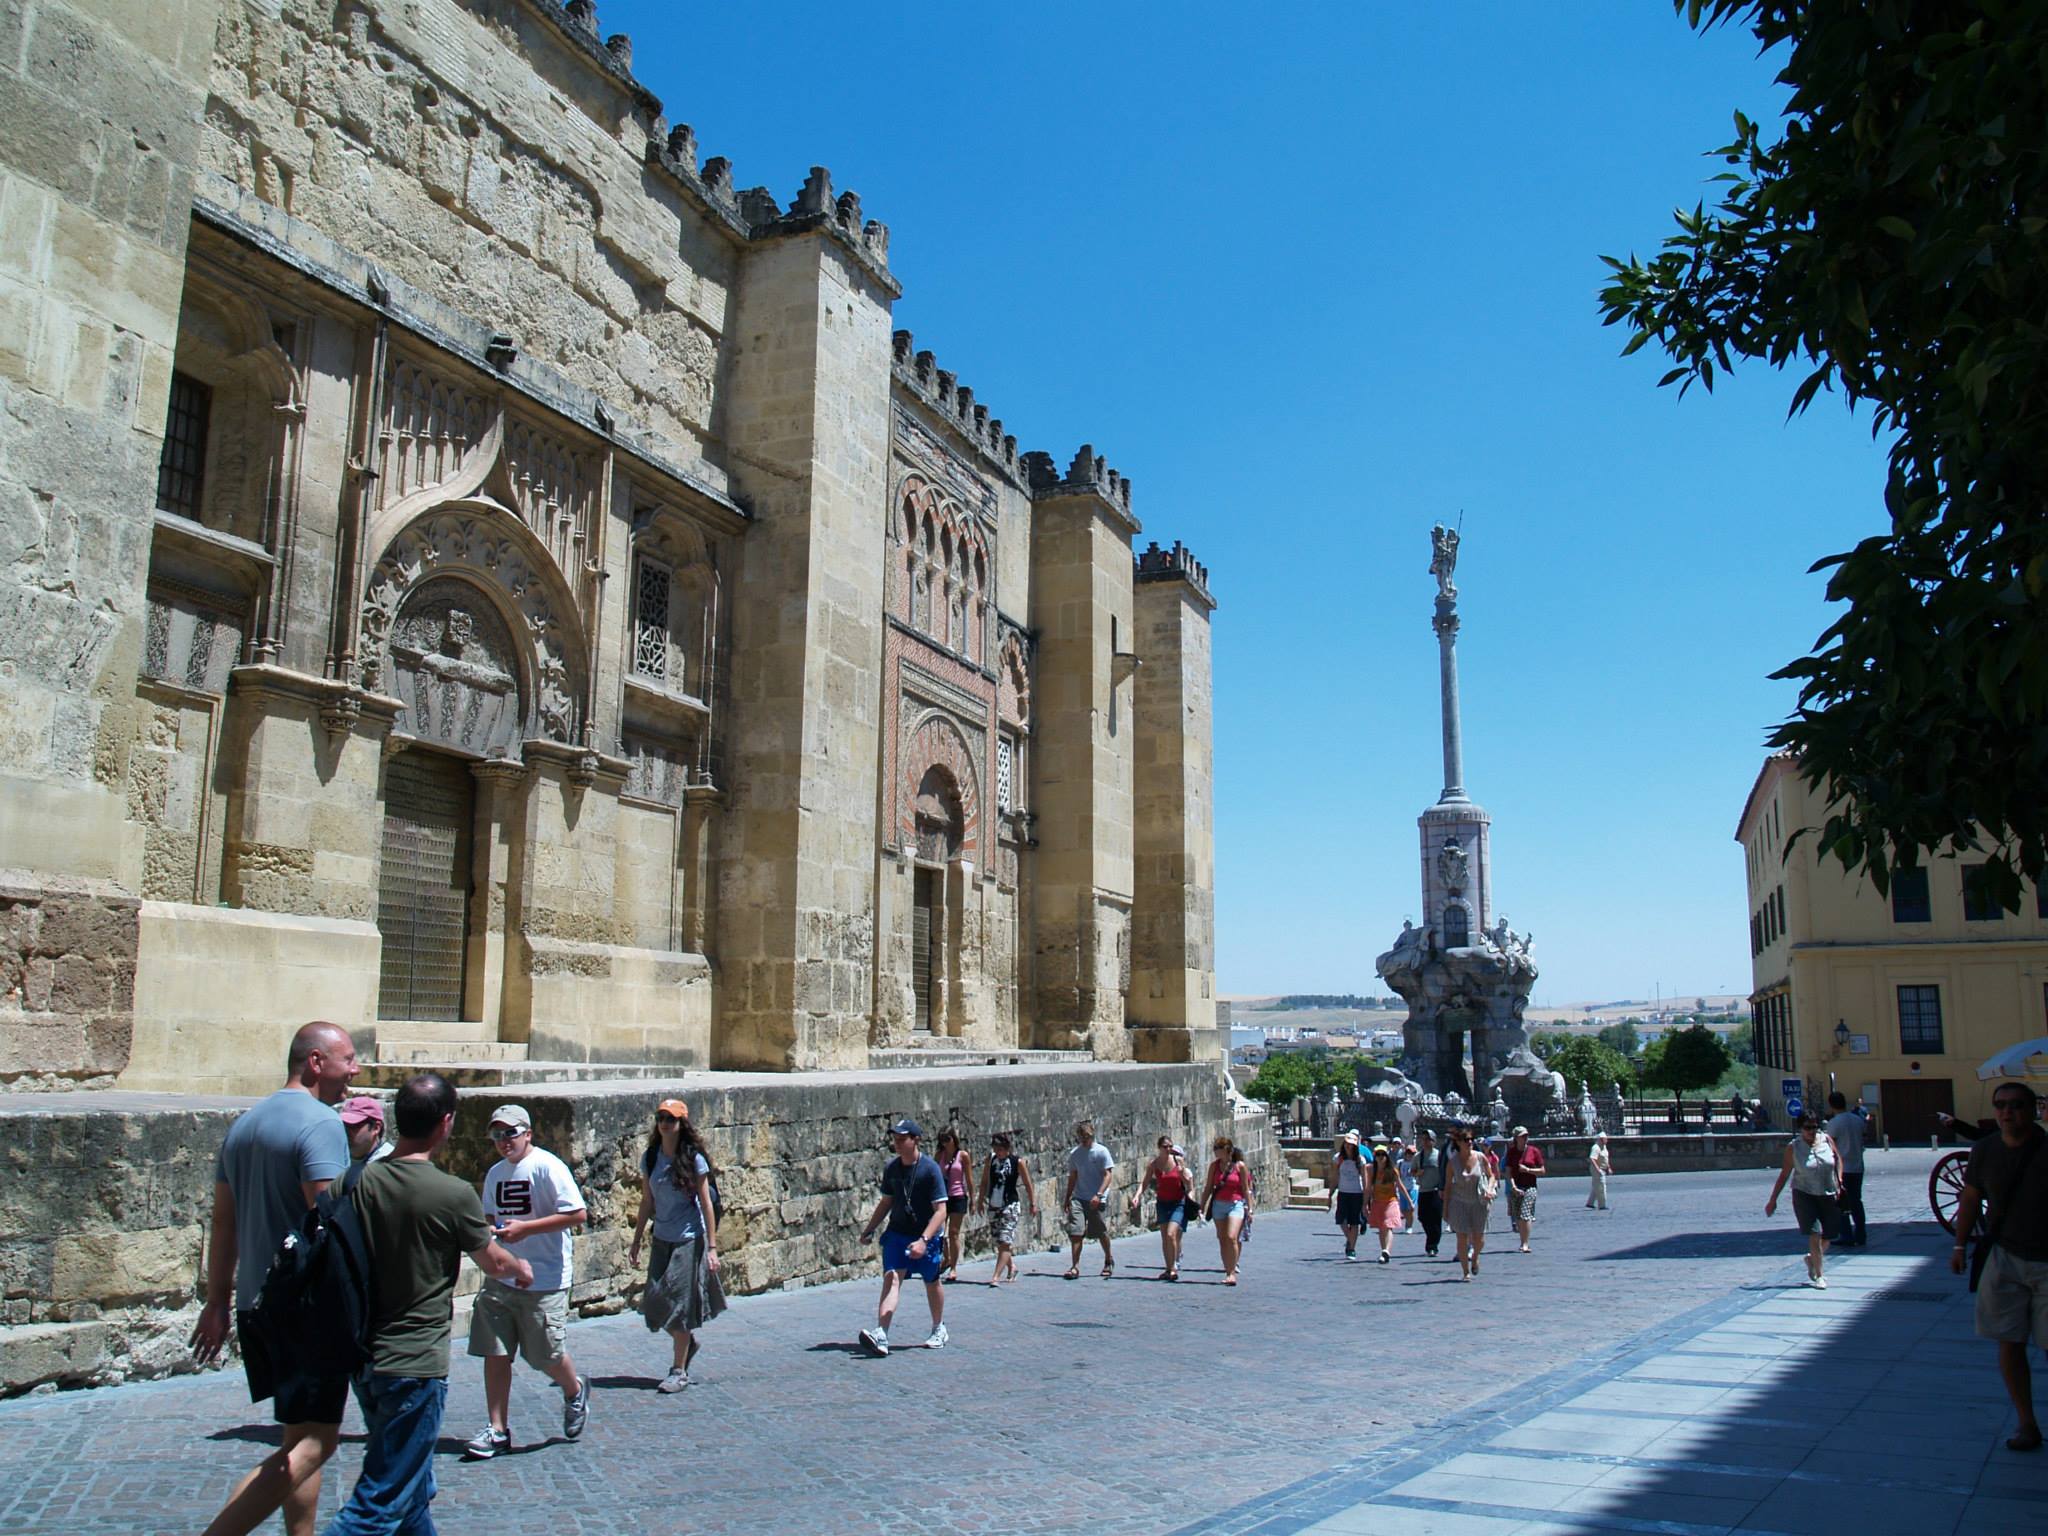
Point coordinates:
pixel 1119 1406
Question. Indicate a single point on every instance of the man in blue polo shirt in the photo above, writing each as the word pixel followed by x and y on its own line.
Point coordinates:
pixel 278 1158
pixel 914 1201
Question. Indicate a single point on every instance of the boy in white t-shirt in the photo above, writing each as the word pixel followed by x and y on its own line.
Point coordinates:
pixel 532 1203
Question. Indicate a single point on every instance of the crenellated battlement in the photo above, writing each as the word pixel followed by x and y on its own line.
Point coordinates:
pixel 942 391
pixel 1087 473
pixel 753 214
pixel 1175 564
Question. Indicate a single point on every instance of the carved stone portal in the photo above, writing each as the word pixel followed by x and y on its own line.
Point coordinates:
pixel 491 550
pixel 454 665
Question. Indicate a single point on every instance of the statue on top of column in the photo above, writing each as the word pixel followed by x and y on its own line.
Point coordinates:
pixel 1443 559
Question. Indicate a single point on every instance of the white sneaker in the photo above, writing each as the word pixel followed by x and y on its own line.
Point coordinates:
pixel 1820 1282
pixel 674 1381
pixel 938 1338
pixel 875 1340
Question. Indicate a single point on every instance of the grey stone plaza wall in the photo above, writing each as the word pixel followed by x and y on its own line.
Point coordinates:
pixel 105 1198
pixel 1688 1153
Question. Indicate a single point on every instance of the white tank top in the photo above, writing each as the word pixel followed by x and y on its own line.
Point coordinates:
pixel 1813 1166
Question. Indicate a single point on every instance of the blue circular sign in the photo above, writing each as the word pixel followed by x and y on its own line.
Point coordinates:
pixel 1794 1108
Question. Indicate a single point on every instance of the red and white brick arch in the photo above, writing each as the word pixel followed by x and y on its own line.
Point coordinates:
pixel 936 740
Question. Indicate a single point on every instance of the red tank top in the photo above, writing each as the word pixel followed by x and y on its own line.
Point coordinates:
pixel 1230 1183
pixel 1172 1186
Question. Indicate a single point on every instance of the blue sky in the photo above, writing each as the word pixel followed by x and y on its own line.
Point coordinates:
pixel 1316 277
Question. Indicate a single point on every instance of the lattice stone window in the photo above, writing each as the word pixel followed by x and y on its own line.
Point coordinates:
pixel 190 638
pixel 180 471
pixel 650 620
pixel 1005 769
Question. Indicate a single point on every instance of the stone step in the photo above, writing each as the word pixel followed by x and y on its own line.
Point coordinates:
pixel 436 1029
pixel 511 1074
pixel 1307 1203
pixel 921 1057
pixel 423 1050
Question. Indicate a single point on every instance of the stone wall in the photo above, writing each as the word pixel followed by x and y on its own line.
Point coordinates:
pixel 104 1202
pixel 1669 1154
pixel 67 982
pixel 104 1198
pixel 219 992
pixel 101 106
pixel 487 158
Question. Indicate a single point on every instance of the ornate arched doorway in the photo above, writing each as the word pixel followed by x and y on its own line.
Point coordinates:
pixel 941 825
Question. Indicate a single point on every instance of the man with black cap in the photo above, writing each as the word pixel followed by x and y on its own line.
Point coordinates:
pixel 914 1201
pixel 533 1204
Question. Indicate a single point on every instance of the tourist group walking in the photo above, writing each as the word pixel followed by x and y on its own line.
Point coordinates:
pixel 334 1253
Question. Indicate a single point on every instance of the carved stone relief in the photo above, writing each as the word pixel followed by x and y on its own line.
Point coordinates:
pixel 480 545
pixel 454 664
pixel 432 425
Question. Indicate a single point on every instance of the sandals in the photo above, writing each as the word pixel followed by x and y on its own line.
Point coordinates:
pixel 1171 1274
pixel 2025 1440
pixel 1108 1271
pixel 1072 1274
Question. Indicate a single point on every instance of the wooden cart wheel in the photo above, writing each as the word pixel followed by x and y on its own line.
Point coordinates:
pixel 1945 1187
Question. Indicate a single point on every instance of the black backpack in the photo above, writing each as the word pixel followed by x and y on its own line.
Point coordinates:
pixel 313 1313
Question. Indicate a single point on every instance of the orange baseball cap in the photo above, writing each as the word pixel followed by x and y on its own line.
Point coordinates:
pixel 674 1107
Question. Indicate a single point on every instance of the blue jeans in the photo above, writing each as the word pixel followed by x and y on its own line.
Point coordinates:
pixel 396 1485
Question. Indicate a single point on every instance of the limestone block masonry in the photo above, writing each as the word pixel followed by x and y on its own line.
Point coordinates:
pixel 67 982
pixel 104 1198
pixel 481 575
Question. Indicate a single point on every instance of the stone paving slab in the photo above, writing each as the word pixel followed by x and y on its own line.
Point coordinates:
pixel 1912 1442
pixel 1134 1406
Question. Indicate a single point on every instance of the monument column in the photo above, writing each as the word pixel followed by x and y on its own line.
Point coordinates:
pixel 1446 626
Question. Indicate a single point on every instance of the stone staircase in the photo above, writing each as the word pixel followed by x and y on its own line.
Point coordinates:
pixel 1306 1189
pixel 461 1051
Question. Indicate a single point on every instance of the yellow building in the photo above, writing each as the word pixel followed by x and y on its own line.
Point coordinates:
pixel 1895 999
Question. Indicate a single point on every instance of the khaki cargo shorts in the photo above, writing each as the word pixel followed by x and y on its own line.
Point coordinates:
pixel 533 1324
pixel 1085 1220
pixel 2012 1298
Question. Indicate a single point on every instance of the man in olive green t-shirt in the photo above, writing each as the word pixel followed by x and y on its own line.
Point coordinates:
pixel 418 1222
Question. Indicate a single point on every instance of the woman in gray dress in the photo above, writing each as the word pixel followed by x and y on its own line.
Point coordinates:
pixel 683 1289
pixel 1469 1189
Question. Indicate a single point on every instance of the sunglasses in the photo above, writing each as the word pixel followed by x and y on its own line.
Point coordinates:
pixel 668 1119
pixel 507 1132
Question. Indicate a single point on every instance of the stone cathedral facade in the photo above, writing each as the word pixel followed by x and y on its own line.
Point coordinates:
pixel 475 574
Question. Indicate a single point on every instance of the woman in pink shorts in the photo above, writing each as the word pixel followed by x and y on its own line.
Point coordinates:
pixel 954 1165
pixel 1383 1201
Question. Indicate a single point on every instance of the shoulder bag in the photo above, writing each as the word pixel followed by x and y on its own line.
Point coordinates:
pixel 1980 1252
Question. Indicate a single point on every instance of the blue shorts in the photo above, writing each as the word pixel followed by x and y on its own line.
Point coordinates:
pixel 1223 1210
pixel 896 1257
pixel 1173 1213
